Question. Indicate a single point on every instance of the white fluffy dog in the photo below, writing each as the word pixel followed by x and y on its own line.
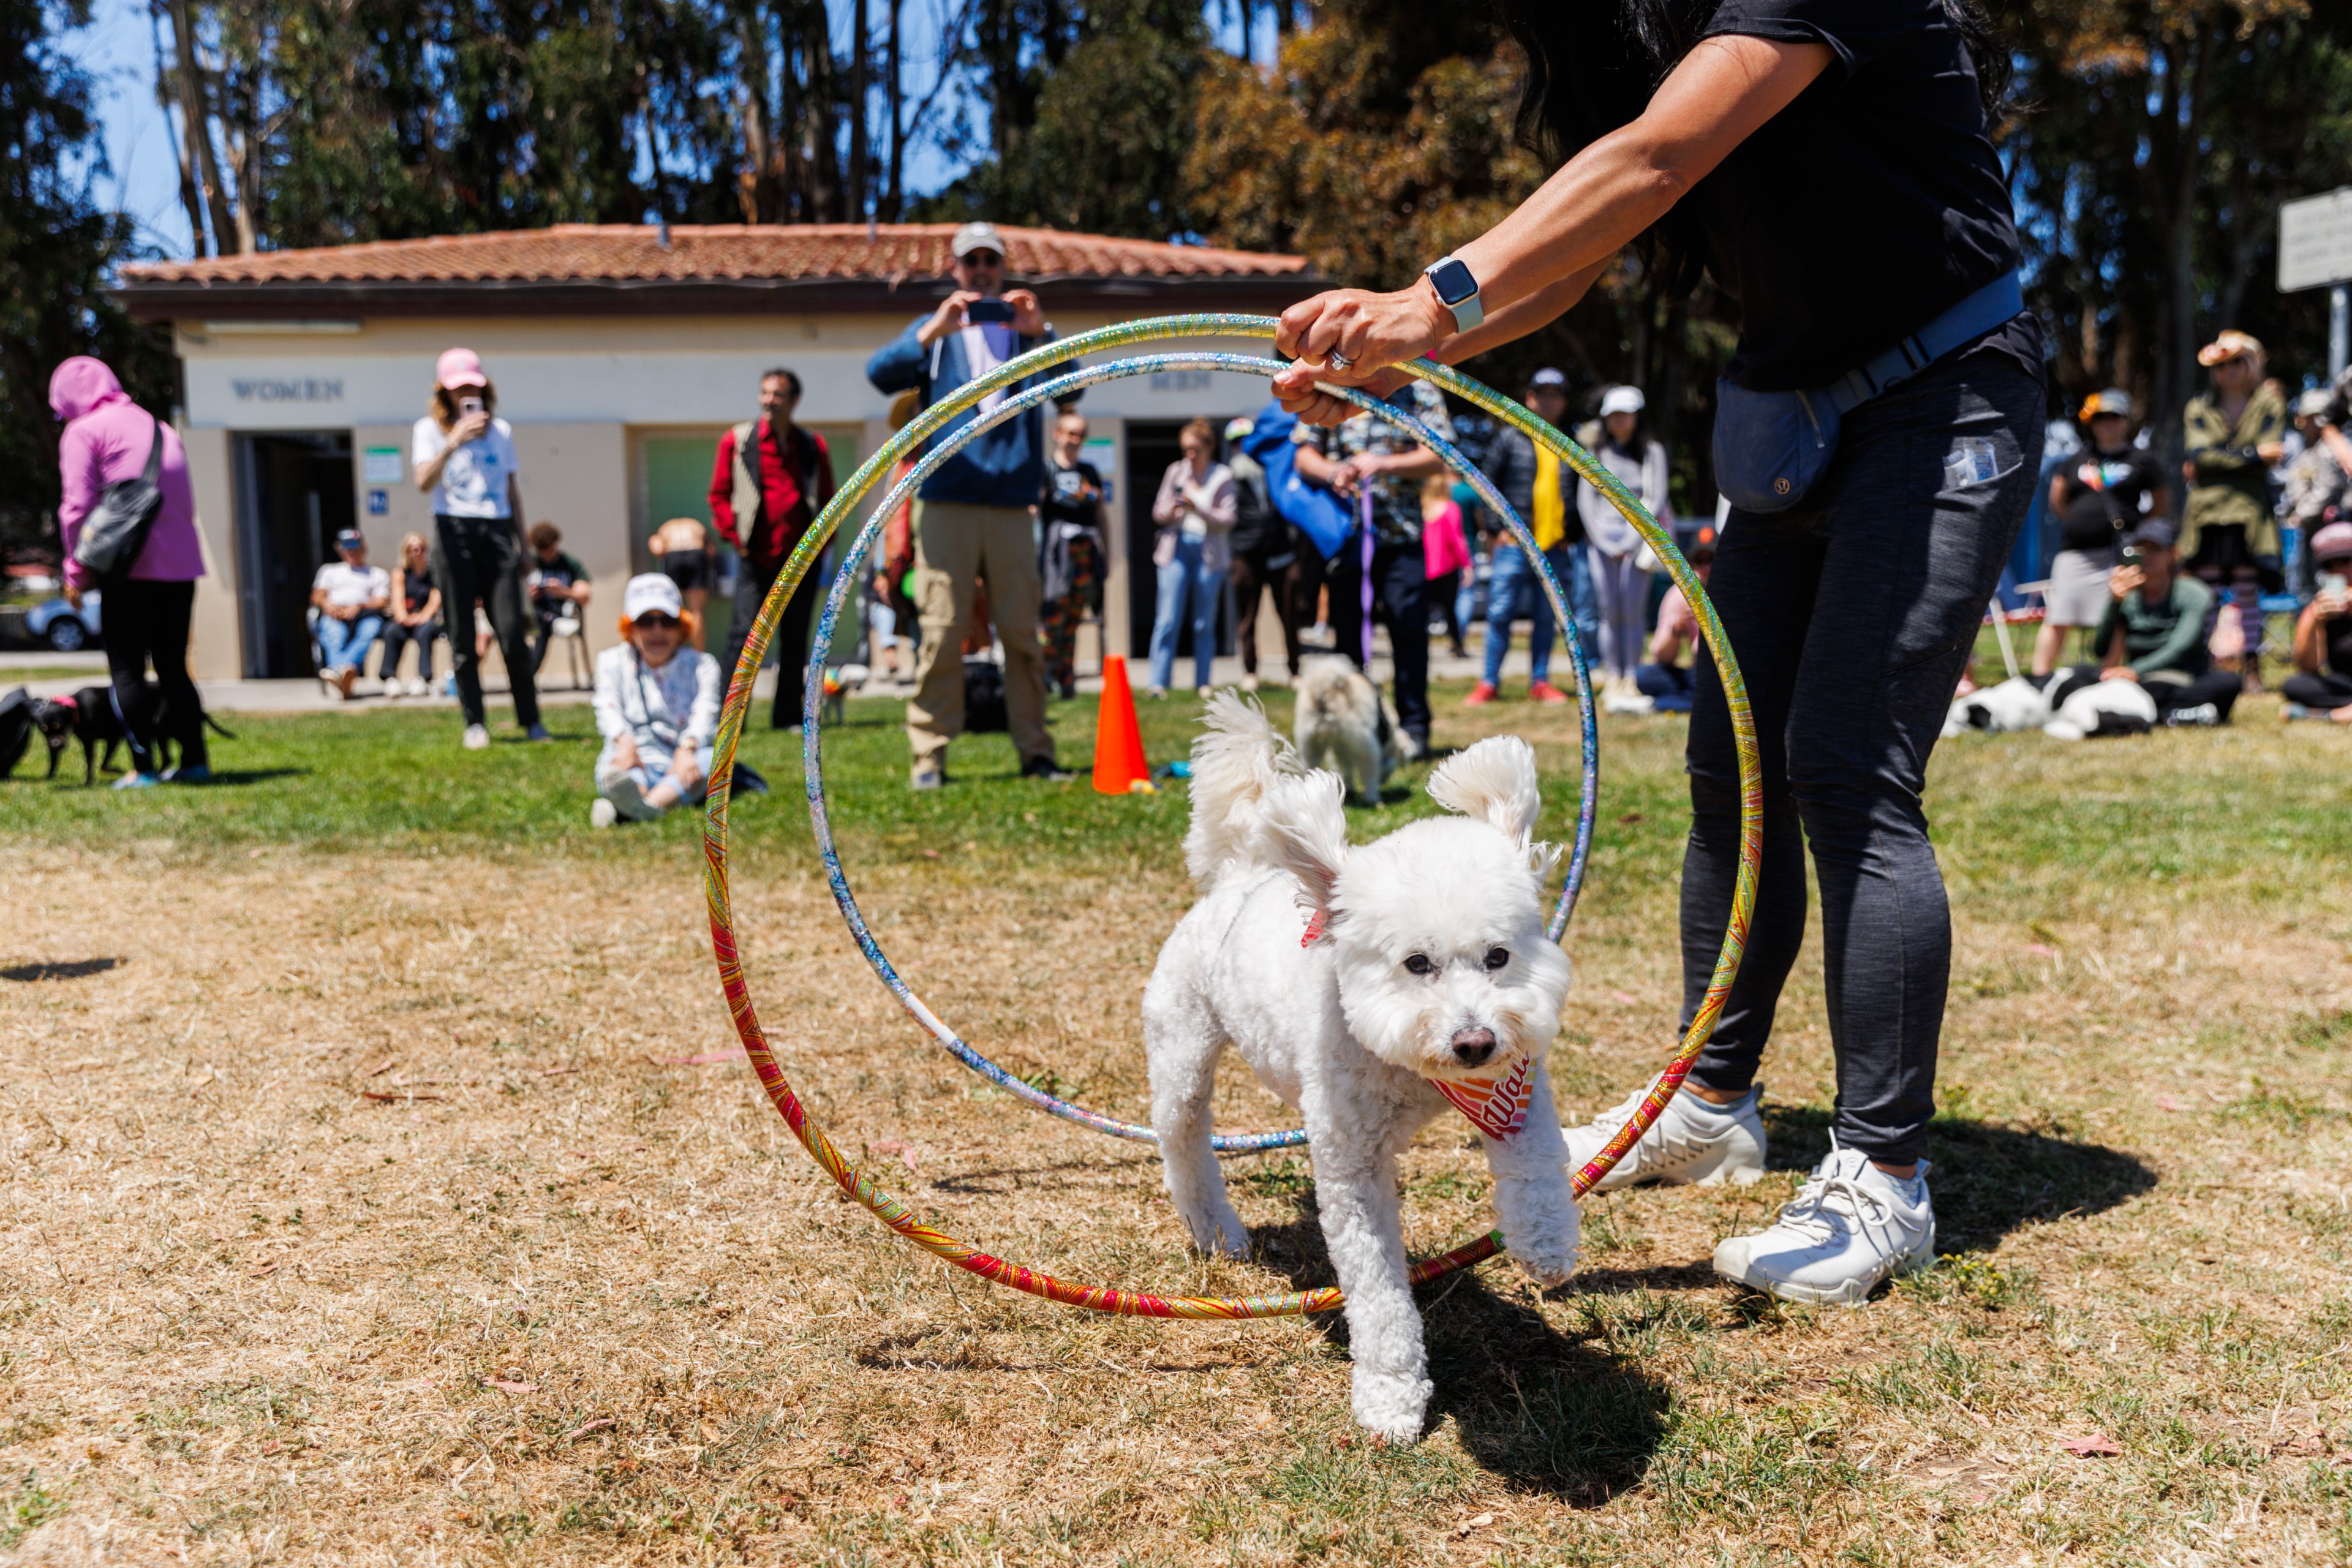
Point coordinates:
pixel 1355 982
pixel 1337 726
pixel 2067 706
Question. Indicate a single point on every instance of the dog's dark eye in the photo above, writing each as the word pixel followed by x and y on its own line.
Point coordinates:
pixel 1419 965
pixel 1498 956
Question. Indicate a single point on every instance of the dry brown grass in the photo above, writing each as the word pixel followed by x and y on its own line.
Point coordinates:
pixel 560 1300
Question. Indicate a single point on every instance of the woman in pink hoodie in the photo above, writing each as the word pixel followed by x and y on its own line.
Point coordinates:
pixel 106 439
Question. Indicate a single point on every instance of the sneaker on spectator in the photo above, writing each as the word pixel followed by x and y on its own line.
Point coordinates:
pixel 1480 694
pixel 2202 714
pixel 1544 691
pixel 416 686
pixel 603 814
pixel 1851 1227
pixel 1691 1141
pixel 537 732
pixel 478 737
pixel 1625 699
pixel 137 781
pixel 1042 768
pixel 1249 683
pixel 933 777
pixel 199 774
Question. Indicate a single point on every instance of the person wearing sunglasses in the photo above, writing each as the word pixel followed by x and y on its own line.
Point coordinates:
pixel 657 709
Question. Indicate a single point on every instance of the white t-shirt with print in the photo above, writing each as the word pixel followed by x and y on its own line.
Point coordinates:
pixel 474 480
pixel 346 584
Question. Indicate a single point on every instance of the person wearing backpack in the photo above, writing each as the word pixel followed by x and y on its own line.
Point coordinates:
pixel 1268 554
pixel 151 591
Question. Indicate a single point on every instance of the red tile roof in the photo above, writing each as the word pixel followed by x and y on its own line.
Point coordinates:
pixel 717 252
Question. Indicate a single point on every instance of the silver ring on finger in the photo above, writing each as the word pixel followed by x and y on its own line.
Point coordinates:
pixel 1338 361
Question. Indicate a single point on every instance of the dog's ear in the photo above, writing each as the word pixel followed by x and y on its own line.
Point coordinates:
pixel 1303 828
pixel 1494 780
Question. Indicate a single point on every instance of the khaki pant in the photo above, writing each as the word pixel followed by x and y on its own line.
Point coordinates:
pixel 956 546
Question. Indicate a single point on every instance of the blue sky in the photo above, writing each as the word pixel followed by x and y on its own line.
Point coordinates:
pixel 117 50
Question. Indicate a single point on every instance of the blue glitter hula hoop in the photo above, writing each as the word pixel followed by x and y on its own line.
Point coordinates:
pixel 932 422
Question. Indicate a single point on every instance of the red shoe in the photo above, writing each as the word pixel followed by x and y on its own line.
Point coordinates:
pixel 1480 694
pixel 1545 692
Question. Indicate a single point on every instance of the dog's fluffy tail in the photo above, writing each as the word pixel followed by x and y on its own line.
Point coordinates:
pixel 1236 759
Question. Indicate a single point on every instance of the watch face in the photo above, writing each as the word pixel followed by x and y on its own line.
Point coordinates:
pixel 1453 281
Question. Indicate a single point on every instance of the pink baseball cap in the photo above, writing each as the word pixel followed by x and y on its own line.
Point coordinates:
pixel 459 367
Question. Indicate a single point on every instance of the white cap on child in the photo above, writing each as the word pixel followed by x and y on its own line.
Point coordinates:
pixel 651 594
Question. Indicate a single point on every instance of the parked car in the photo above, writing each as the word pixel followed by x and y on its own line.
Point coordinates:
pixel 62 627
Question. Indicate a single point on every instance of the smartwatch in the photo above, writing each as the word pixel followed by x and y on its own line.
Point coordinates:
pixel 1456 290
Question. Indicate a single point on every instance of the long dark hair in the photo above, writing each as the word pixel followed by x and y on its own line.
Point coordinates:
pixel 1592 66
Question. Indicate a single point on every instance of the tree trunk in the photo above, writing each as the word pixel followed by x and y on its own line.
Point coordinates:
pixel 196 112
pixel 192 199
pixel 857 104
pixel 896 206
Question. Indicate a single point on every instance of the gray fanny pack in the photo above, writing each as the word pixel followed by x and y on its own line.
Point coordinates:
pixel 1772 447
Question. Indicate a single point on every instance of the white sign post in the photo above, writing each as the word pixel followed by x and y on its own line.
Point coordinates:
pixel 2316 252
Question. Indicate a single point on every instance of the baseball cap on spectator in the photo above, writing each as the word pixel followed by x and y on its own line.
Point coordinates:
pixel 459 367
pixel 651 594
pixel 2114 400
pixel 1238 427
pixel 2229 346
pixel 1548 376
pixel 2154 531
pixel 350 539
pixel 1622 400
pixel 2333 543
pixel 974 236
pixel 2312 404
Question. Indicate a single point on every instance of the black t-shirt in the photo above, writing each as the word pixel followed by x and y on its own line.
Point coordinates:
pixel 1071 494
pixel 2093 514
pixel 415 587
pixel 2336 636
pixel 1865 208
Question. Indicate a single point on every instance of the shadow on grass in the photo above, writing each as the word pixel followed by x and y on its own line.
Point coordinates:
pixel 1532 1405
pixel 232 777
pixel 1989 1180
pixel 72 969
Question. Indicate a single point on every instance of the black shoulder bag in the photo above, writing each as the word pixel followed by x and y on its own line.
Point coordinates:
pixel 116 529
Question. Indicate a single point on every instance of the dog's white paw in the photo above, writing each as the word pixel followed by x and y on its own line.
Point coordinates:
pixel 1549 1263
pixel 1220 1232
pixel 1390 1407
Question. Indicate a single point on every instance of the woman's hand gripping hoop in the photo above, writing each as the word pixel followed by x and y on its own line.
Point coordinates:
pixel 860 1185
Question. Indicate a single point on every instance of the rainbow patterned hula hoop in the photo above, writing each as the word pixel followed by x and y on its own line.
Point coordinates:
pixel 860 1185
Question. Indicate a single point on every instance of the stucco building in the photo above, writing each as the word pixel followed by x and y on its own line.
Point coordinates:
pixel 619 355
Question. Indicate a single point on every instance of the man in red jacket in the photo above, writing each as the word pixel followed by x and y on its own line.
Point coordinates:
pixel 772 479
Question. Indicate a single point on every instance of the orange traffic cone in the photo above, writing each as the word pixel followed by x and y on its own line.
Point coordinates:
pixel 1118 739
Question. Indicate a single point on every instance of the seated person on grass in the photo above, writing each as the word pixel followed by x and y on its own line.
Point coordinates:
pixel 1665 680
pixel 350 597
pixel 657 708
pixel 557 583
pixel 2321 685
pixel 2153 632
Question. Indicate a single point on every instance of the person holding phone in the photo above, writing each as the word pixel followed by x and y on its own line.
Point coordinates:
pixel 2153 633
pixel 974 520
pixel 1879 430
pixel 2321 685
pixel 464 458
pixel 2103 497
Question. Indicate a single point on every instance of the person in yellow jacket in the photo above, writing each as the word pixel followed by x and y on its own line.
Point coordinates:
pixel 1543 494
pixel 2229 535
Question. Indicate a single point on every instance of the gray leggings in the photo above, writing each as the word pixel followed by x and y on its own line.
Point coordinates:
pixel 1851 617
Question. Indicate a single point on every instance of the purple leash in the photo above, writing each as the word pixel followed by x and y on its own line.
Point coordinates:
pixel 1364 520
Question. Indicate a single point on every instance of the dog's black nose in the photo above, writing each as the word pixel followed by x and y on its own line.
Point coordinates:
pixel 1473 1046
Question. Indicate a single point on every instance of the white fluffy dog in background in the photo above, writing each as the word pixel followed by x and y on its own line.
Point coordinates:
pixel 1350 980
pixel 1337 726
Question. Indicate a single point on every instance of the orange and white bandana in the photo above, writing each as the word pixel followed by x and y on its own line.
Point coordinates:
pixel 1496 1106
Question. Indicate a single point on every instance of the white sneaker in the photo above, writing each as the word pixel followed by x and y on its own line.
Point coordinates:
pixel 1690 1142
pixel 1626 699
pixel 1249 683
pixel 603 814
pixel 477 739
pixel 416 686
pixel 1850 1227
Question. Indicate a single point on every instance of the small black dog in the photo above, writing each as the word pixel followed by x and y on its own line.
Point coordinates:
pixel 88 716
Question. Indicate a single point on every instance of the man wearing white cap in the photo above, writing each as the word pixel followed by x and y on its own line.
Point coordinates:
pixel 973 520
pixel 657 708
pixel 464 458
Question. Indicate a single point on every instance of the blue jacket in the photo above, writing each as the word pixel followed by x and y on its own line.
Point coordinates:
pixel 1003 468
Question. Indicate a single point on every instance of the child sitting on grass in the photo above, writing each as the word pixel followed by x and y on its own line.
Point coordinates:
pixel 657 708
